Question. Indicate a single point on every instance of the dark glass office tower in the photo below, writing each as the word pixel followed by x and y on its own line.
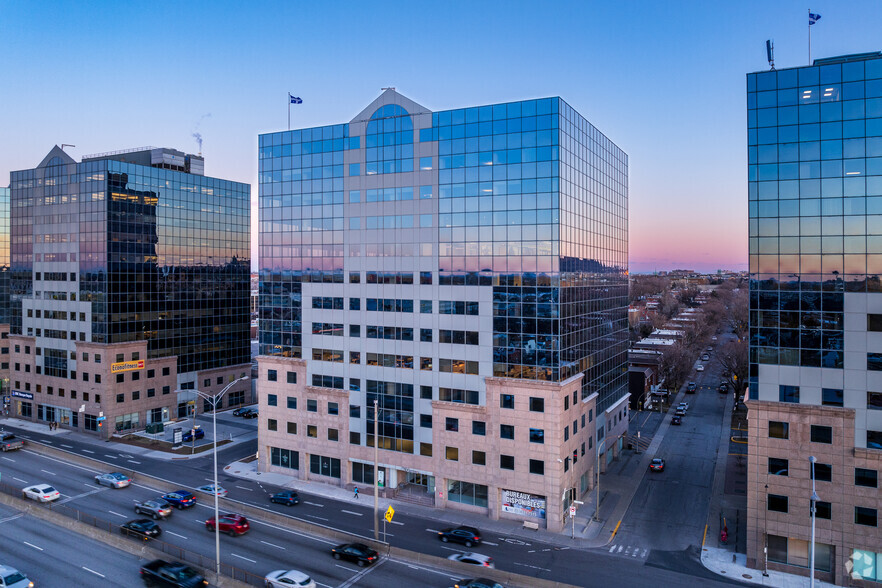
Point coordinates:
pixel 427 259
pixel 138 254
pixel 815 389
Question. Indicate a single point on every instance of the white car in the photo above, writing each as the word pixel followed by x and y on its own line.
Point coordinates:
pixel 477 559
pixel 209 489
pixel 12 578
pixel 41 492
pixel 113 480
pixel 699 368
pixel 683 406
pixel 286 578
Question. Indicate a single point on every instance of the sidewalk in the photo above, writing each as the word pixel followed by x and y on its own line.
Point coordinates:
pixel 224 432
pixel 719 561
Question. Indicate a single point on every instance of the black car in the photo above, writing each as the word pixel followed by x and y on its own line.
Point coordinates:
pixel 468 536
pixel 286 497
pixel 477 583
pixel 143 528
pixel 180 499
pixel 239 411
pixel 690 388
pixel 249 413
pixel 357 552
pixel 724 387
pixel 677 420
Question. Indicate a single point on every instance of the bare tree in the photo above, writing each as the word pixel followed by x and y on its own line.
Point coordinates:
pixel 739 314
pixel 732 356
pixel 643 286
pixel 675 365
pixel 688 295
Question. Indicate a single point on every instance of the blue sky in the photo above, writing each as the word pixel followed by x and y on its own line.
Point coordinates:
pixel 665 81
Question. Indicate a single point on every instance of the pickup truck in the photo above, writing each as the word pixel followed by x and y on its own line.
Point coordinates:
pixel 9 442
pixel 175 575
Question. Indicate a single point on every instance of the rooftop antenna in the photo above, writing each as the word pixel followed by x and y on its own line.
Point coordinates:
pixel 770 53
pixel 63 145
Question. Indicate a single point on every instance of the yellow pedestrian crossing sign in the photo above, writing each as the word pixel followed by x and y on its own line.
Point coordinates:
pixel 390 512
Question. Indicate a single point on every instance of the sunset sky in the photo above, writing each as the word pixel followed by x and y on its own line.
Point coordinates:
pixel 665 81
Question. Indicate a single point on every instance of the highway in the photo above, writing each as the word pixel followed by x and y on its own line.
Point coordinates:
pixel 269 546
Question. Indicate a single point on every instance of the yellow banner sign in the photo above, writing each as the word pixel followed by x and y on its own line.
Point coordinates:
pixel 126 366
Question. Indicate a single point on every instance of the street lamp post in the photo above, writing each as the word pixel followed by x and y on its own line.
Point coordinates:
pixel 765 539
pixel 376 473
pixel 214 399
pixel 814 499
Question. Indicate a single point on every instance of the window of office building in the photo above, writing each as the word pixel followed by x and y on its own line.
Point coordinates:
pixel 284 458
pixel 821 434
pixel 467 493
pixel 776 503
pixel 779 430
pixel 324 466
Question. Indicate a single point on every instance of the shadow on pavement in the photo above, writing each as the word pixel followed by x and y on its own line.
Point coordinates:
pixel 687 561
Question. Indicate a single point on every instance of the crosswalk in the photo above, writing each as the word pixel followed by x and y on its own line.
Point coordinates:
pixel 641 443
pixel 629 551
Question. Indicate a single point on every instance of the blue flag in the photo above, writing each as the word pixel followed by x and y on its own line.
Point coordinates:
pixel 813 18
pixel 295 99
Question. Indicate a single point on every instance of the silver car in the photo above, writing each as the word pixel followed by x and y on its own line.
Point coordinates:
pixel 158 509
pixel 113 480
pixel 12 578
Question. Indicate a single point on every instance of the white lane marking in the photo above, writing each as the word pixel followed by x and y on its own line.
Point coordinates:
pixel 433 530
pixel 272 544
pixel 19 480
pixel 8 459
pixel 243 557
pixel 315 517
pixel 613 548
pixel 93 571
pixel 620 548
pixel 32 545
pixel 314 504
pixel 645 551
pixel 70 447
pixel 84 494
pixel 111 456
pixel 133 461
pixel 48 472
pixel 387 534
pixel 533 567
pixel 175 534
pixel 395 523
pixel 86 451
pixel 304 535
pixel 452 549
pixel 116 513
pixel 488 543
pixel 358 514
pixel 344 567
pixel 244 488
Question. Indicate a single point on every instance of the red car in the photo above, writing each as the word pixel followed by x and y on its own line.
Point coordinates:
pixel 232 524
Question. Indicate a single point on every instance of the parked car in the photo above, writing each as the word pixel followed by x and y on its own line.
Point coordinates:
pixel 677 420
pixel 249 413
pixel 210 489
pixel 691 388
pixel 286 497
pixel 188 435
pixel 288 578
pixel 699 368
pixel 356 552
pixel 468 536
pixel 180 499
pixel 705 357
pixel 478 583
pixel 9 442
pixel 476 559
pixel 41 492
pixel 158 509
pixel 12 578
pixel 171 574
pixel 113 480
pixel 241 410
pixel 231 524
pixel 657 465
pixel 143 528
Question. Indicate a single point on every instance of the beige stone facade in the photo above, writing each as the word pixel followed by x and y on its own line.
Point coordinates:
pixel 527 477
pixel 840 531
pixel 108 382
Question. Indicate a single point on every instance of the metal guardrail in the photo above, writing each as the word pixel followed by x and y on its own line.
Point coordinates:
pixel 198 560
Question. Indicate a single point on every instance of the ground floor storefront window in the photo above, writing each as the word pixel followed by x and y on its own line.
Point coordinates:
pixel 127 421
pixel 284 458
pixel 324 466
pixel 866 565
pixel 795 552
pixel 25 409
pixel 467 493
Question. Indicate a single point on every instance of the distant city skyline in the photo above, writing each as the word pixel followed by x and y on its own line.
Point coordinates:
pixel 669 85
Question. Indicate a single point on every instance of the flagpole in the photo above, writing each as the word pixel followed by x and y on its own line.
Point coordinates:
pixel 810 35
pixel 289 108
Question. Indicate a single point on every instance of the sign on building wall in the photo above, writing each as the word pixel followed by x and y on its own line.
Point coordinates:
pixel 523 504
pixel 126 366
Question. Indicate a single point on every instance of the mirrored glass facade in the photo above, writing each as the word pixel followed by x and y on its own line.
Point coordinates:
pixel 4 256
pixel 517 210
pixel 159 255
pixel 815 205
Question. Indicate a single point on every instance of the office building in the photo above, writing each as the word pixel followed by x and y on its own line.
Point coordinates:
pixel 129 289
pixel 465 271
pixel 815 389
pixel 4 299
